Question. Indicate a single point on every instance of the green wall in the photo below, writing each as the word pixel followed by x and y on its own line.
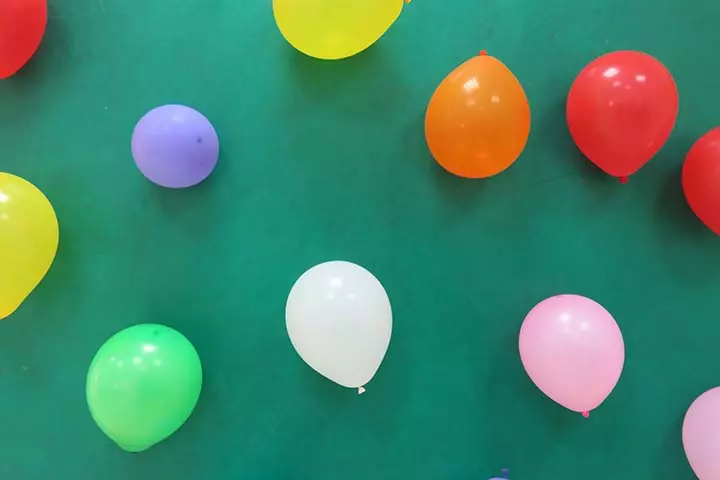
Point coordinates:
pixel 326 161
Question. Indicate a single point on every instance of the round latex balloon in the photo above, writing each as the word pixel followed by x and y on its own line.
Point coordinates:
pixel 478 119
pixel 143 384
pixel 334 29
pixel 29 235
pixel 175 146
pixel 701 435
pixel 621 110
pixel 572 349
pixel 339 320
pixel 22 27
pixel 701 179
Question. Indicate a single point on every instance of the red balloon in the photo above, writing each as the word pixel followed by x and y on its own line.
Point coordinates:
pixel 621 110
pixel 22 26
pixel 701 179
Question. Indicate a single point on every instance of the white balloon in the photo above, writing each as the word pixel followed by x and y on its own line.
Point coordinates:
pixel 339 320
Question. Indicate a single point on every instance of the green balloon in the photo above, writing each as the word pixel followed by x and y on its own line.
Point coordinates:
pixel 143 384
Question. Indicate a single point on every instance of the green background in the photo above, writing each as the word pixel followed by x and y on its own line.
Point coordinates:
pixel 325 161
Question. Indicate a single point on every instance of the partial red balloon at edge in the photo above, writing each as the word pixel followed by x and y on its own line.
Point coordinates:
pixel 701 179
pixel 621 110
pixel 22 26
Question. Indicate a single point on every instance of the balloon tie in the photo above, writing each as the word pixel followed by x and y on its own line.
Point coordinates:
pixel 623 179
pixel 505 473
pixel 483 53
pixel 408 1
pixel 361 390
pixel 586 414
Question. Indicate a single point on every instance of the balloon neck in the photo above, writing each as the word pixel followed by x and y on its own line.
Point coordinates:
pixel 505 473
pixel 483 53
pixel 361 390
pixel 586 414
pixel 623 179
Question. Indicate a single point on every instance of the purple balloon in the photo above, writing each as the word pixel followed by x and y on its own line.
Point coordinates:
pixel 175 146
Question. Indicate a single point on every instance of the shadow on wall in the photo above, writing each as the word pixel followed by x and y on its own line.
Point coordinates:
pixel 362 87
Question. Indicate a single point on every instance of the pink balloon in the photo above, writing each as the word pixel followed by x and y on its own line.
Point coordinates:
pixel 701 435
pixel 572 348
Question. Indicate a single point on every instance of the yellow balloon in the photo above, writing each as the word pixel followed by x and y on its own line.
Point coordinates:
pixel 29 235
pixel 334 29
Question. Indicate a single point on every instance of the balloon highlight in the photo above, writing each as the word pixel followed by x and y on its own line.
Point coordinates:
pixel 29 236
pixel 339 320
pixel 143 384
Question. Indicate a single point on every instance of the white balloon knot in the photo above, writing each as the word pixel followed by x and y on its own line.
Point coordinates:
pixel 361 390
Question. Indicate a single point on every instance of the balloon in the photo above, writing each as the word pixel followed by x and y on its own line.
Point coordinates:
pixel 29 236
pixel 334 29
pixel 143 384
pixel 175 146
pixel 701 179
pixel 701 435
pixel 621 110
pixel 22 27
pixel 573 350
pixel 505 475
pixel 478 120
pixel 339 320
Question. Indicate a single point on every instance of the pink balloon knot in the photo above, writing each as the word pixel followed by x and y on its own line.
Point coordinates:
pixel 623 179
pixel 586 414
pixel 483 53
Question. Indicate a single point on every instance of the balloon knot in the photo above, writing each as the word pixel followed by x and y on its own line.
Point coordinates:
pixel 623 179
pixel 505 473
pixel 586 414
pixel 483 53
pixel 361 390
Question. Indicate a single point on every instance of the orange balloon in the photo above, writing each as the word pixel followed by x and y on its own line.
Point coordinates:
pixel 478 120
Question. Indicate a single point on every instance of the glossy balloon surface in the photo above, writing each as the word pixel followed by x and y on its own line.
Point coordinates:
pixel 478 119
pixel 143 384
pixel 701 179
pixel 573 350
pixel 701 435
pixel 621 110
pixel 175 146
pixel 339 320
pixel 22 27
pixel 29 236
pixel 334 29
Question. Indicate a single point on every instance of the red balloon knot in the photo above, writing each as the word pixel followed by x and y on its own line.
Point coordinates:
pixel 623 180
pixel 483 53
pixel 586 414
